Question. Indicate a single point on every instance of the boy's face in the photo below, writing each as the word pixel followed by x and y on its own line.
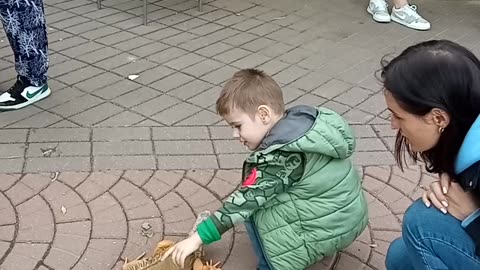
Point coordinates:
pixel 249 131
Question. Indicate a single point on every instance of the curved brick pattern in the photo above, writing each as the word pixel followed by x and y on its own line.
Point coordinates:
pixel 24 255
pixel 107 214
pixel 7 180
pixel 177 214
pixel 35 221
pixel 7 211
pixel 97 183
pixel 94 220
pixel 134 201
pixel 138 242
pixel 100 254
pixel 58 196
pixel 70 242
pixel 161 183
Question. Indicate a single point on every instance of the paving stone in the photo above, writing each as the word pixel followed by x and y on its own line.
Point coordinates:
pixel 70 242
pixel 123 119
pixel 8 217
pixel 106 212
pixel 60 97
pixel 120 134
pixel 136 242
pixel 214 49
pixel 57 164
pixel 25 254
pixel 35 221
pixel 135 66
pixel 308 99
pixel 176 113
pixel 12 165
pixel 183 148
pixel 59 135
pixel 355 116
pixel 100 55
pixel 231 161
pixel 154 74
pixel 82 48
pixel 202 118
pixel 101 253
pixel 156 105
pixel 58 149
pixel 173 81
pixel 135 203
pixel 12 150
pixel 59 195
pixel 39 120
pixel 373 158
pixel 124 162
pixel 353 96
pixel 176 213
pixel 370 144
pixel 116 89
pixel 96 184
pixel 206 98
pixel 122 148
pixel 187 162
pixel 77 105
pixel 65 67
pixel 180 133
pixel 136 97
pixel 220 75
pixel 96 114
pixel 7 180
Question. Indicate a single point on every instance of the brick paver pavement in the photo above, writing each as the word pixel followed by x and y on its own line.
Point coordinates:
pixel 81 171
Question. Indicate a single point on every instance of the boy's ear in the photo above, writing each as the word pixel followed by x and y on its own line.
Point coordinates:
pixel 265 113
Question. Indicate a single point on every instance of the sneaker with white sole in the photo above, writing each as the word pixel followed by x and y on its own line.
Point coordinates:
pixel 22 94
pixel 408 16
pixel 379 10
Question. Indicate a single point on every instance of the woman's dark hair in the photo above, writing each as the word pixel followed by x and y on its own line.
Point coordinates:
pixel 436 74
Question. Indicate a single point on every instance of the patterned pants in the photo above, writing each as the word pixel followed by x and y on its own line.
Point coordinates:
pixel 24 24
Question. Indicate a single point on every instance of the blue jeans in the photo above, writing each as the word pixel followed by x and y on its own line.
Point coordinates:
pixel 431 241
pixel 257 246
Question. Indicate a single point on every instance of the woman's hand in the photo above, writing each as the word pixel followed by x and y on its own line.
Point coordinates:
pixel 182 249
pixel 449 196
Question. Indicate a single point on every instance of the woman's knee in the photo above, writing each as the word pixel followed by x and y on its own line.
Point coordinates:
pixel 397 255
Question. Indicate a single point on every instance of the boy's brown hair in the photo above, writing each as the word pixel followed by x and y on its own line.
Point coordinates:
pixel 248 89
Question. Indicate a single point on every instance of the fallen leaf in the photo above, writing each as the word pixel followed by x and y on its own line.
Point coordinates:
pixel 64 210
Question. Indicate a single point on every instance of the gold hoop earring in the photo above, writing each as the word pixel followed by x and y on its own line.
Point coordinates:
pixel 441 130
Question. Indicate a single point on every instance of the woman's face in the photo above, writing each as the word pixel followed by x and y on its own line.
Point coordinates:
pixel 422 132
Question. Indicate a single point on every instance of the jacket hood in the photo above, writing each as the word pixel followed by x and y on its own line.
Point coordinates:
pixel 469 152
pixel 310 130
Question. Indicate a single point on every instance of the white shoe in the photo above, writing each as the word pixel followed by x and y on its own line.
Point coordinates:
pixel 408 16
pixel 379 10
pixel 22 94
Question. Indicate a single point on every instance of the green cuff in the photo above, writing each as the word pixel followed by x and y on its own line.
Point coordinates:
pixel 208 232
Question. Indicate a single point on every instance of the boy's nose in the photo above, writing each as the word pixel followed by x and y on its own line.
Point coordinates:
pixel 236 134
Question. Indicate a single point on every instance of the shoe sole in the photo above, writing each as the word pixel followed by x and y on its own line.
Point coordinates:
pixel 399 21
pixel 25 104
pixel 380 21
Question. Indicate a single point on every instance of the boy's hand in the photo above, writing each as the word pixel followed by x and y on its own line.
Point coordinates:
pixel 182 249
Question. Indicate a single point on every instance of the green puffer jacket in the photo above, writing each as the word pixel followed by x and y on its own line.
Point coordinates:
pixel 300 189
pixel 325 210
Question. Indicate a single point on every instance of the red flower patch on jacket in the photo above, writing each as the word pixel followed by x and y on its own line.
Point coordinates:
pixel 251 178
